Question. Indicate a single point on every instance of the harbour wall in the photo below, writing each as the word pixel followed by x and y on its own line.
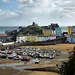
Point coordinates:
pixel 40 43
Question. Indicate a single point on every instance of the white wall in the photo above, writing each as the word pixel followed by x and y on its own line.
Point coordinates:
pixel 20 39
pixel 40 38
pixel 9 43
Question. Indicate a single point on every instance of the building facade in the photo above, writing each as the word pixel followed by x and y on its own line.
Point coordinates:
pixel 47 32
pixel 3 37
pixel 11 34
pixel 73 31
pixel 53 26
pixel 58 32
pixel 70 39
pixel 69 30
pixel 40 38
pixel 20 39
pixel 53 32
pixel 45 38
pixel 31 38
pixel 52 37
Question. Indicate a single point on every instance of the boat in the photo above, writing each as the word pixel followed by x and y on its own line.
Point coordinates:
pixel 24 53
pixel 37 49
pixel 36 61
pixel 29 53
pixel 71 52
pixel 51 56
pixel 9 52
pixel 25 58
pixel 58 53
pixel 12 56
pixel 4 56
pixel 17 57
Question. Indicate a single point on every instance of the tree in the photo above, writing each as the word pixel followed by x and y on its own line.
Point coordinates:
pixel 68 68
pixel 20 27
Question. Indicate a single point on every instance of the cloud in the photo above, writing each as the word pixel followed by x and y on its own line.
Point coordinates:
pixel 42 11
pixel 67 8
pixel 5 1
pixel 8 14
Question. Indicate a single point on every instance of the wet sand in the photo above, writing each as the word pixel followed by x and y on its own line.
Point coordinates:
pixel 44 73
pixel 11 71
pixel 7 71
pixel 56 60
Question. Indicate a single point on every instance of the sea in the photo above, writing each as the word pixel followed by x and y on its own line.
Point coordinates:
pixel 4 28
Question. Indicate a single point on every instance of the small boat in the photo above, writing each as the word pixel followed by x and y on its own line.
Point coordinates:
pixel 24 53
pixel 17 57
pixel 9 52
pixel 37 49
pixel 36 61
pixel 12 56
pixel 25 58
pixel 58 53
pixel 3 52
pixel 19 53
pixel 4 56
pixel 71 52
pixel 29 53
pixel 33 49
pixel 51 56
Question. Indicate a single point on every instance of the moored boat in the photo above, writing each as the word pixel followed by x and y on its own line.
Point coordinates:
pixel 25 58
pixel 36 61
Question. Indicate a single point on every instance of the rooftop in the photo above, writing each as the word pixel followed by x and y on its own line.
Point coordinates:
pixel 3 34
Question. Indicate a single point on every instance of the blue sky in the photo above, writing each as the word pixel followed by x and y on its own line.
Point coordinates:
pixel 12 6
pixel 43 12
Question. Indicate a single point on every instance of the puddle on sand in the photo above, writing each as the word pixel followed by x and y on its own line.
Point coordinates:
pixel 46 62
pixel 3 68
pixel 63 52
pixel 11 64
pixel 22 68
pixel 15 64
pixel 31 62
pixel 62 59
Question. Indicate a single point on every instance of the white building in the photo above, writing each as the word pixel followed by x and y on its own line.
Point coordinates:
pixel 20 39
pixel 40 38
pixel 3 37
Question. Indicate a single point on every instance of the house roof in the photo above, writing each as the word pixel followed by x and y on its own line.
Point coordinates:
pixel 3 34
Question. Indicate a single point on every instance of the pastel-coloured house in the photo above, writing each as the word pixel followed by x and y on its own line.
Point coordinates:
pixel 70 39
pixel 58 32
pixel 31 38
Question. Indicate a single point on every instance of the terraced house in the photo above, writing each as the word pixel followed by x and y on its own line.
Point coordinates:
pixel 31 38
pixel 69 30
pixel 47 32
pixel 71 34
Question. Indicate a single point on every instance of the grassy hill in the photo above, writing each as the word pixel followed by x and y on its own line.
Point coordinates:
pixel 32 30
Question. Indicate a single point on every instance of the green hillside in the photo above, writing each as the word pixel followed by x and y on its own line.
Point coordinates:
pixel 32 30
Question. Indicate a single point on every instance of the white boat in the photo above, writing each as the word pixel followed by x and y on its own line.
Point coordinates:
pixel 36 61
pixel 51 56
pixel 24 53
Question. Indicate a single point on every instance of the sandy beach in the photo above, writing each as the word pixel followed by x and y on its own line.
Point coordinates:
pixel 5 70
pixel 61 47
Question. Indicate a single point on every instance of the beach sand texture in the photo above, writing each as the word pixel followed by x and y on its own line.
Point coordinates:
pixel 62 47
pixel 12 71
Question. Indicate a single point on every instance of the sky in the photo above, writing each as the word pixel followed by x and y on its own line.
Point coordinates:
pixel 43 12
